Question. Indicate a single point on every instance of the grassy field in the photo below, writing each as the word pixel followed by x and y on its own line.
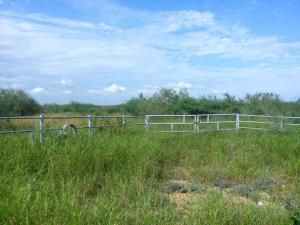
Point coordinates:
pixel 128 176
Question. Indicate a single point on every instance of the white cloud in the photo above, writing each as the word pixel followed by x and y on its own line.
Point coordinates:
pixel 141 46
pixel 180 85
pixel 38 90
pixel 215 91
pixel 64 82
pixel 62 22
pixel 187 19
pixel 151 88
pixel 67 92
pixel 114 88
pixel 70 48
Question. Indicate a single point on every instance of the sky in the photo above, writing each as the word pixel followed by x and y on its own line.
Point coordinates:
pixel 107 51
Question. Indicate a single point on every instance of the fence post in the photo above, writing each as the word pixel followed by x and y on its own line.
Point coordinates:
pixel 195 124
pixel 198 123
pixel 183 119
pixel 31 138
pixel 90 124
pixel 146 123
pixel 237 125
pixel 207 119
pixel 123 120
pixel 218 126
pixel 42 128
pixel 172 127
pixel 281 123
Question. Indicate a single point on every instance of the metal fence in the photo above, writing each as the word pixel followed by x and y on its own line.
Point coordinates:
pixel 219 122
pixel 155 123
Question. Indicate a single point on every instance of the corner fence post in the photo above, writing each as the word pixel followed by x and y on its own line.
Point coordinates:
pixel 42 128
pixel 90 124
pixel 237 123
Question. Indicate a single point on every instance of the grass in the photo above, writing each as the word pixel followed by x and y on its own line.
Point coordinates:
pixel 116 177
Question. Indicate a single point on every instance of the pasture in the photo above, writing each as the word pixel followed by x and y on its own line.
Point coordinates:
pixel 129 176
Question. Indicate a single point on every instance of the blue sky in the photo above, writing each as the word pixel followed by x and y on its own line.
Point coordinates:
pixel 106 51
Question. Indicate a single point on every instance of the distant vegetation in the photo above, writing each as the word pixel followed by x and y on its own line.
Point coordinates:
pixel 164 101
pixel 180 102
pixel 77 107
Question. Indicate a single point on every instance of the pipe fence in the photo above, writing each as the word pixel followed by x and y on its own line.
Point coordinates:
pixel 155 123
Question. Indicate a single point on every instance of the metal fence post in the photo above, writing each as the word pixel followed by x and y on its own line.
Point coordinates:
pixel 195 123
pixel 198 123
pixel 281 123
pixel 123 120
pixel 146 123
pixel 90 124
pixel 42 128
pixel 31 138
pixel 237 125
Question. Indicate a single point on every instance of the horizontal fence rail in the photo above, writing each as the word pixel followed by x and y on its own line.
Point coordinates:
pixel 156 123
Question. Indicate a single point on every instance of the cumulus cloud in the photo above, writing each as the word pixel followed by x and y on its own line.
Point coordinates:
pixel 180 85
pixel 38 90
pixel 114 88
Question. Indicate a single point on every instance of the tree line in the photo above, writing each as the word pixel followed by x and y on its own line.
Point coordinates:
pixel 164 101
pixel 171 101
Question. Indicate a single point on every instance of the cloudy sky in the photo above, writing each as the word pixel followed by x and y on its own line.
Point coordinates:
pixel 106 51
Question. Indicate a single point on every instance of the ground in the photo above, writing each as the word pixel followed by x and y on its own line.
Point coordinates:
pixel 128 176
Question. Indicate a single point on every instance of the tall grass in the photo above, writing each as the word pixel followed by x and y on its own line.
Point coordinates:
pixel 115 177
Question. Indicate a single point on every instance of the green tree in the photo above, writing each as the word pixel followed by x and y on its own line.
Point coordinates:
pixel 17 103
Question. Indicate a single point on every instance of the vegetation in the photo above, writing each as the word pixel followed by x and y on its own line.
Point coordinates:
pixel 126 176
pixel 164 101
pixel 170 101
pixel 77 107
pixel 17 102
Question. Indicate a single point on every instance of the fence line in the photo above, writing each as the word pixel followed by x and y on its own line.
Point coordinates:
pixel 195 123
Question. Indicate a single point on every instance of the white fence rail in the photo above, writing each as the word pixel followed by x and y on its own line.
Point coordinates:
pixel 161 123
pixel 215 122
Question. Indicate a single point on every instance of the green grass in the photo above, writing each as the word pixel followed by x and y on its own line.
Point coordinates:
pixel 115 177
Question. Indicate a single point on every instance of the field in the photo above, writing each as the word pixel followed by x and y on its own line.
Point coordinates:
pixel 128 176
